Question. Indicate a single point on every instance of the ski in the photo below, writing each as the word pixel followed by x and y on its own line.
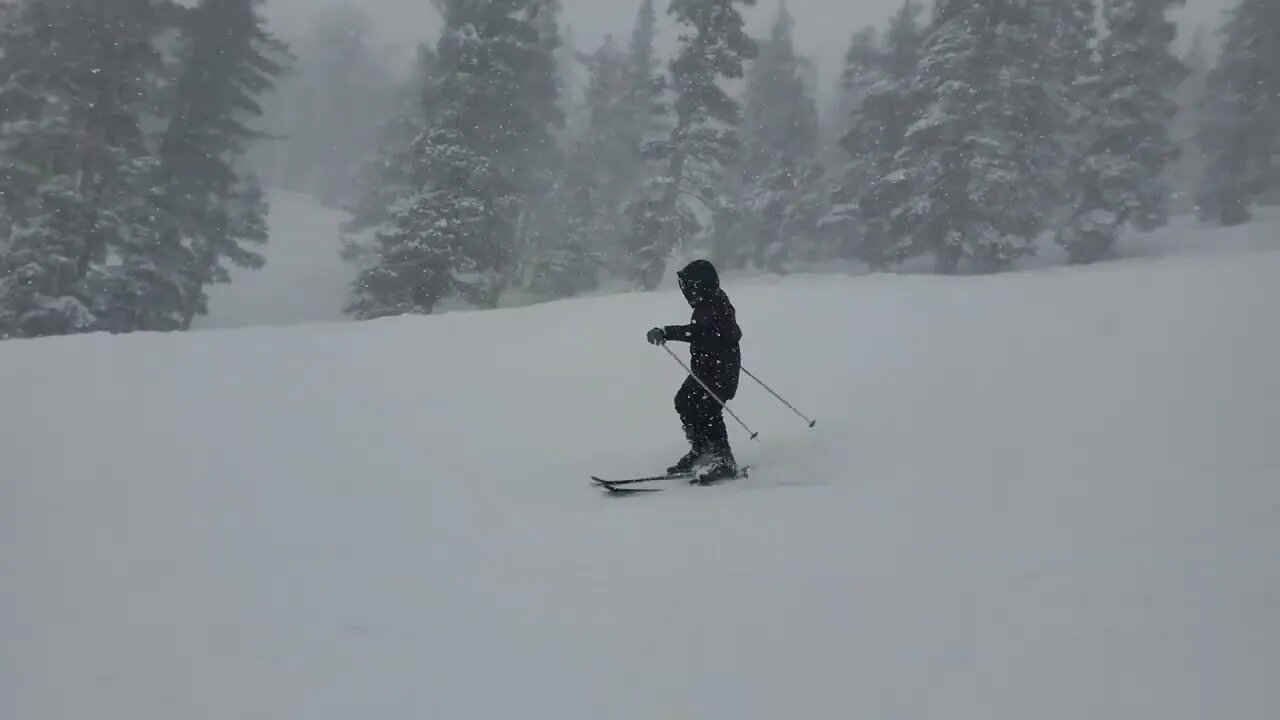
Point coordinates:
pixel 651 478
pixel 628 486
pixel 629 489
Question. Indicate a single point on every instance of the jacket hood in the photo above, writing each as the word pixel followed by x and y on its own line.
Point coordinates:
pixel 699 281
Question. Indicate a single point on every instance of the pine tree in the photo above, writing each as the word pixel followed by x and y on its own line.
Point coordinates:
pixel 457 232
pixel 1121 178
pixel 38 258
pixel 567 261
pixel 385 174
pixel 453 236
pixel 542 87
pixel 573 76
pixel 12 99
pixel 862 63
pixel 624 109
pixel 1241 132
pixel 713 45
pixel 972 180
pixel 778 169
pixel 887 105
pixel 578 222
pixel 605 165
pixel 1068 70
pixel 82 251
pixel 864 48
pixel 842 223
pixel 645 82
pixel 544 228
pixel 218 210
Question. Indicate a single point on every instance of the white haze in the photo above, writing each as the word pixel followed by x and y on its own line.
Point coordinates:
pixel 823 27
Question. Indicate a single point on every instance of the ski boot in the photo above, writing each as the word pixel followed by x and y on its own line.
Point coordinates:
pixel 687 463
pixel 722 467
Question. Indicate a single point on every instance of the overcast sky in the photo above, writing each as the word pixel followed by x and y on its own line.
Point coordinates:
pixel 823 26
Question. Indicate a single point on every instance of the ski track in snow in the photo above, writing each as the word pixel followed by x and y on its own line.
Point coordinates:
pixel 1049 494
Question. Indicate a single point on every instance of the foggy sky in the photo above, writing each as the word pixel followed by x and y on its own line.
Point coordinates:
pixel 823 27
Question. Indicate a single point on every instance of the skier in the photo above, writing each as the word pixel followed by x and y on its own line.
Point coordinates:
pixel 713 339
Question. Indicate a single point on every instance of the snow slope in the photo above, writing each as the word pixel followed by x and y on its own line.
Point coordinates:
pixel 1049 494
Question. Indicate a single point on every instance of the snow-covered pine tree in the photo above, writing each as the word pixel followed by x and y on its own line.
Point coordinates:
pixel 552 255
pixel 217 210
pixel 10 112
pixel 625 110
pixel 82 251
pixel 38 262
pixel 385 175
pixel 453 236
pixel 841 225
pixel 1069 68
pixel 713 45
pixel 778 170
pixel 1121 180
pixel 456 232
pixel 862 61
pixel 972 180
pixel 579 220
pixel 1241 132
pixel 556 257
pixel 847 91
pixel 571 256
pixel 646 83
pixel 567 261
pixel 887 105
pixel 605 163
pixel 537 156
pixel 572 73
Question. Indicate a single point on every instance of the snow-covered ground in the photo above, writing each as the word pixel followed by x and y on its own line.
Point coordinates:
pixel 306 281
pixel 1049 494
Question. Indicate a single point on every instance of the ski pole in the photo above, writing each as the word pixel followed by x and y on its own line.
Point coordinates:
pixel 754 435
pixel 784 402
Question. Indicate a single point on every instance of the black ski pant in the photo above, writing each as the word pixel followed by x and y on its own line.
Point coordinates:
pixel 703 417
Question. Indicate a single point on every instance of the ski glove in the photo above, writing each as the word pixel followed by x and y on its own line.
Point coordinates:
pixel 657 336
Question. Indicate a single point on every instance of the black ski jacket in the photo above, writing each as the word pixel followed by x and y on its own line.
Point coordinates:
pixel 713 335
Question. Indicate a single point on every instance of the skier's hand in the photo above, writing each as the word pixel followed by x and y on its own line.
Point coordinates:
pixel 657 336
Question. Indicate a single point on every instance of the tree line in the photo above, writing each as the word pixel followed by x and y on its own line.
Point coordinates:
pixel 967 135
pixel 122 134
